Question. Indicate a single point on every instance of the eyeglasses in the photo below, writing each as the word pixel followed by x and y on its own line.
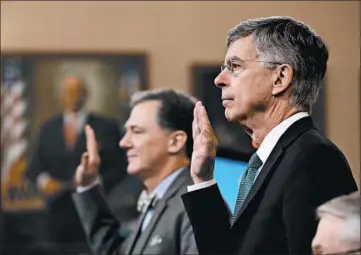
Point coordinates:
pixel 231 67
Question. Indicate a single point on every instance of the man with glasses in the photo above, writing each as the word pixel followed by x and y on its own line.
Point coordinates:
pixel 270 80
pixel 338 231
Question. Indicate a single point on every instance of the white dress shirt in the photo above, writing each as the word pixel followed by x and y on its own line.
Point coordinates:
pixel 266 147
pixel 80 119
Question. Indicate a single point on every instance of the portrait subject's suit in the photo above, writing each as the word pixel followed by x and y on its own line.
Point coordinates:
pixel 168 231
pixel 53 157
pixel 303 171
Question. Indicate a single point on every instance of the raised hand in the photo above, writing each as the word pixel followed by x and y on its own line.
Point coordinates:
pixel 204 147
pixel 88 170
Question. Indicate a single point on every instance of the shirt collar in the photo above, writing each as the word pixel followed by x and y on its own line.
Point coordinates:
pixel 161 189
pixel 80 115
pixel 271 139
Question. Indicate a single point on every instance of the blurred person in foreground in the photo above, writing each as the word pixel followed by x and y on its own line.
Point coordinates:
pixel 158 141
pixel 61 143
pixel 272 72
pixel 338 230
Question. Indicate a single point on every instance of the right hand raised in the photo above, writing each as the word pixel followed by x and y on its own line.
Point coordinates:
pixel 87 172
pixel 204 147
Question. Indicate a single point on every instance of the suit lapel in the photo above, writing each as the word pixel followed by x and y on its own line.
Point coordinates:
pixel 148 231
pixel 292 133
pixel 137 247
pixel 80 140
pixel 59 129
pixel 178 183
pixel 133 238
pixel 266 170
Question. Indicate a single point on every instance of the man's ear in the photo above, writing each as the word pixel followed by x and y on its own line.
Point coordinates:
pixel 177 142
pixel 283 76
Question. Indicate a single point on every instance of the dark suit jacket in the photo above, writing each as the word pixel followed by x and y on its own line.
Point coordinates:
pixel 169 224
pixel 53 157
pixel 303 171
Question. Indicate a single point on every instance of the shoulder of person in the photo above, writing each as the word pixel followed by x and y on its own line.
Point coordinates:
pixel 53 120
pixel 314 143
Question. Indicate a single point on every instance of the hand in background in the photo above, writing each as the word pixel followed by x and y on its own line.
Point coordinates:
pixel 47 185
pixel 204 147
pixel 87 172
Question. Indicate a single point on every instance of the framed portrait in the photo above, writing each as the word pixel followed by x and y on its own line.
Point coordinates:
pixel 29 96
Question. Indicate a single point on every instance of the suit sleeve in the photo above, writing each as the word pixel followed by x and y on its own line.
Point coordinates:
pixel 210 220
pixel 319 174
pixel 188 243
pixel 101 227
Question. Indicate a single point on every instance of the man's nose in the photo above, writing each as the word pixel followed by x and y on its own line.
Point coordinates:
pixel 125 142
pixel 222 79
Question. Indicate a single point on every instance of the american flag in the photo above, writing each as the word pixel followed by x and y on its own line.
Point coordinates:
pixel 13 126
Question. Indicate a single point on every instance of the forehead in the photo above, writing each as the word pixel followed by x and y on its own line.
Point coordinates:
pixel 72 84
pixel 242 48
pixel 144 114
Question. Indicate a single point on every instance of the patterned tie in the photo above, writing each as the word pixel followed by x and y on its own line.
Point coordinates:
pixel 246 183
pixel 146 202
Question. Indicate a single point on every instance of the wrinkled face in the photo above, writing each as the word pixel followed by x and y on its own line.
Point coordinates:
pixel 249 89
pixel 73 94
pixel 328 239
pixel 145 141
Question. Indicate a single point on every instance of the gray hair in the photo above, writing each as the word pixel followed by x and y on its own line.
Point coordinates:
pixel 347 208
pixel 286 40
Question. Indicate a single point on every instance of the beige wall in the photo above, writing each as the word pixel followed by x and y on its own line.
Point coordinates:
pixel 177 34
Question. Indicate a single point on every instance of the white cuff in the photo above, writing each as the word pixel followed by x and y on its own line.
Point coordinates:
pixel 201 185
pixel 81 189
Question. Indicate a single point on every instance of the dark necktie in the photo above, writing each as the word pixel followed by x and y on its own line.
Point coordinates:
pixel 246 183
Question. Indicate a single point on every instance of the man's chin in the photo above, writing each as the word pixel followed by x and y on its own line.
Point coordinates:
pixel 229 116
pixel 132 170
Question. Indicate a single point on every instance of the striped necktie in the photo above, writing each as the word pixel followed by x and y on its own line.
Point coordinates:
pixel 246 183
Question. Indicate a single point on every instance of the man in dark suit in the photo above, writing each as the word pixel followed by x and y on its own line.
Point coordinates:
pixel 159 143
pixel 270 79
pixel 61 144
